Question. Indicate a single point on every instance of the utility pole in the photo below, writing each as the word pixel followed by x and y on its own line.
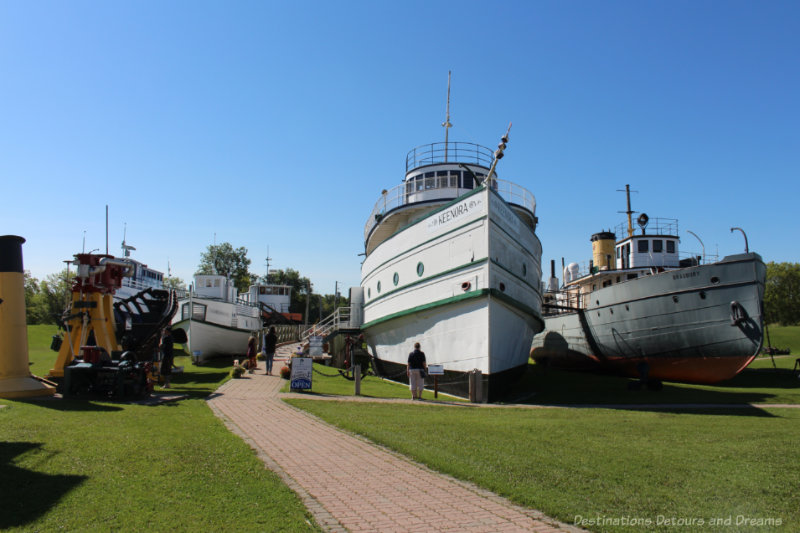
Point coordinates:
pixel 336 296
pixel 308 299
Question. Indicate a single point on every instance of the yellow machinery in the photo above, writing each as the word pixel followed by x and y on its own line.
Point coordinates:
pixel 16 380
pixel 91 319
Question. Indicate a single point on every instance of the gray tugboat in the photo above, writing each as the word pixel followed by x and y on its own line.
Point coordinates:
pixel 642 310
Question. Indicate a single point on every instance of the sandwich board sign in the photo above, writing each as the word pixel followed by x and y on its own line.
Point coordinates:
pixel 301 373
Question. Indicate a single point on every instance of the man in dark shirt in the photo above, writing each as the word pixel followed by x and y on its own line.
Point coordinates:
pixel 416 366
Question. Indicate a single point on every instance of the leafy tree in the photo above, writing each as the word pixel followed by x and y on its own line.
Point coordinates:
pixel 224 260
pixel 52 298
pixel 31 290
pixel 782 294
pixel 174 282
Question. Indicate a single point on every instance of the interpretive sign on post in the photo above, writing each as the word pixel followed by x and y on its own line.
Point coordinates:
pixel 315 346
pixel 301 373
pixel 436 371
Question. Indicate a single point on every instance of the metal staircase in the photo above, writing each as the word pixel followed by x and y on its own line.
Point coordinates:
pixel 335 323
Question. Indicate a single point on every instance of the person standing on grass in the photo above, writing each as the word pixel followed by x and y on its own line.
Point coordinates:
pixel 251 354
pixel 166 356
pixel 416 370
pixel 268 348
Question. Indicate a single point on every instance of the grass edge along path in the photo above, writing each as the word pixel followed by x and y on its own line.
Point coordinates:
pixel 89 465
pixel 583 464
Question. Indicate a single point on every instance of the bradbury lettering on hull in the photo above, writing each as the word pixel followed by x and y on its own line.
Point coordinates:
pixel 455 213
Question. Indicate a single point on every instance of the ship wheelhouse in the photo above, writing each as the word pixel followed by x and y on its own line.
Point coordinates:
pixel 436 174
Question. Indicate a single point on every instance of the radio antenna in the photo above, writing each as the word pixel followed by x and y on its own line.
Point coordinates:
pixel 446 124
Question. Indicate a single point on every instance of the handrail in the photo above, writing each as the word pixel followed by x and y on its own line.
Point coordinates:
pixel 449 152
pixel 333 322
pixel 398 196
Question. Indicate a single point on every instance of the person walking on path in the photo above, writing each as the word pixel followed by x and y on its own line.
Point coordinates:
pixel 251 354
pixel 416 370
pixel 165 369
pixel 268 348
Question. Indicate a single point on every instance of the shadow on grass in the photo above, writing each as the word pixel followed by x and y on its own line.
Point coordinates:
pixel 543 386
pixel 772 378
pixel 74 404
pixel 27 495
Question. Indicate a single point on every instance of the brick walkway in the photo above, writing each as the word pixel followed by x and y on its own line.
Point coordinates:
pixel 329 469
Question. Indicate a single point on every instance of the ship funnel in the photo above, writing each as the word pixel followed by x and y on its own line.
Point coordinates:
pixel 552 284
pixel 603 250
pixel 16 380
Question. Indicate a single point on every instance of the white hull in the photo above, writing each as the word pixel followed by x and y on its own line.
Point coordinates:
pixel 215 328
pixel 463 282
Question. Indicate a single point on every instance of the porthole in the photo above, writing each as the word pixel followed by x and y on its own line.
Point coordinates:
pixel 524 269
pixel 396 279
pixel 611 311
pixel 420 269
pixel 502 287
pixel 627 308
pixel 379 286
pixel 715 280
pixel 702 295
pixel 675 298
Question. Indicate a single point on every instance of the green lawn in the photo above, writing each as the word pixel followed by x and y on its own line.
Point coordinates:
pixel 784 337
pixel 82 465
pixel 601 462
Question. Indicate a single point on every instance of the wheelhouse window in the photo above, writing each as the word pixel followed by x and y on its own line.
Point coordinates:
pixel 670 247
pixel 642 246
pixel 658 246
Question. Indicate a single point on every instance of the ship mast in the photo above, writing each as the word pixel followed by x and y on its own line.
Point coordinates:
pixel 446 124
pixel 629 212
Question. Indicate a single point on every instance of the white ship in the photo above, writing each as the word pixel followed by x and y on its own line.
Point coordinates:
pixel 453 262
pixel 218 320
pixel 642 310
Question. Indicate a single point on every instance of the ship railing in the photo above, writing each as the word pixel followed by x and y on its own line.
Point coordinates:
pixel 337 320
pixel 655 226
pixel 450 152
pixel 400 196
pixel 139 285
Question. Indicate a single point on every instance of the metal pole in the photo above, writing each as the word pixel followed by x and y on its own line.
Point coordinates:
pixel 746 247
pixel 701 244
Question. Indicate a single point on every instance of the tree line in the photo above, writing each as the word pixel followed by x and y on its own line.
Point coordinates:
pixel 46 300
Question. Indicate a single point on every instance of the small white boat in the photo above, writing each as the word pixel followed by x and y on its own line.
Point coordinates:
pixel 218 320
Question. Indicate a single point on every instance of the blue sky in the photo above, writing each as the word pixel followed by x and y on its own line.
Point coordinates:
pixel 277 124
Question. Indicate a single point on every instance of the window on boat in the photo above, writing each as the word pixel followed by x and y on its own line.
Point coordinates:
pixel 607 283
pixel 468 181
pixel 455 177
pixel 430 180
pixel 441 179
pixel 216 282
pixel 420 182
pixel 670 247
pixel 632 276
pixel 409 187
pixel 658 246
pixel 642 245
